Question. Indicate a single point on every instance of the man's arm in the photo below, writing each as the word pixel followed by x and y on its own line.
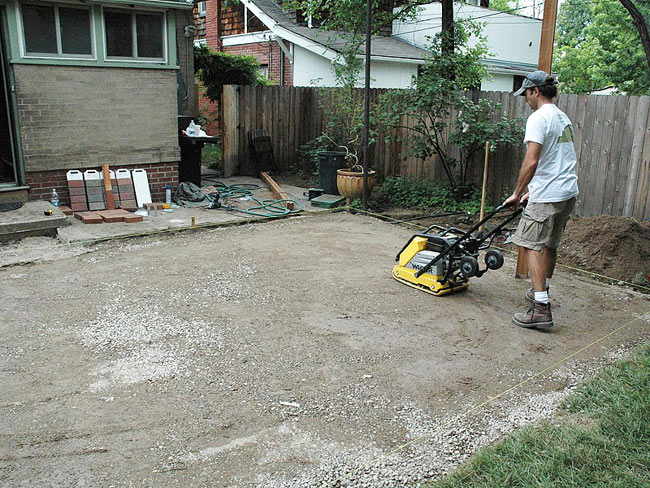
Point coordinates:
pixel 526 172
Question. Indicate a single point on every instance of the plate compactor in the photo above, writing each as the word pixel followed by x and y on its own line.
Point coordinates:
pixel 444 261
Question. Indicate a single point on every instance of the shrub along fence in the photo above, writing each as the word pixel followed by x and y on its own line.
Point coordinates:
pixel 612 141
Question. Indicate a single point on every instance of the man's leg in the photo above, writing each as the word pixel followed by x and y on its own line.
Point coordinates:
pixel 550 257
pixel 537 267
pixel 539 314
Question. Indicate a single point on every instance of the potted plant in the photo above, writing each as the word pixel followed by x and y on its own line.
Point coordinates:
pixel 349 180
pixel 338 146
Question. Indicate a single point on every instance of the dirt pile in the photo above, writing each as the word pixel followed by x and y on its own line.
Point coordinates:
pixel 617 247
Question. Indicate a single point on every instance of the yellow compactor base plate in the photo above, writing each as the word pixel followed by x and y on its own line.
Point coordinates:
pixel 427 283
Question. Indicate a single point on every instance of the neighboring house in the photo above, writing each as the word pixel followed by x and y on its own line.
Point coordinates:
pixel 513 40
pixel 293 53
pixel 85 83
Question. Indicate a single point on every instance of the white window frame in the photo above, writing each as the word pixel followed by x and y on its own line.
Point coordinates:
pixel 57 25
pixel 201 9
pixel 134 46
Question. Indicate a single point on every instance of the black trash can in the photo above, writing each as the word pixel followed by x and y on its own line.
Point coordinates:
pixel 328 163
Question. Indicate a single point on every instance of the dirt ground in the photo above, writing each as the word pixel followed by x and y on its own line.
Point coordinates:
pixel 611 246
pixel 280 354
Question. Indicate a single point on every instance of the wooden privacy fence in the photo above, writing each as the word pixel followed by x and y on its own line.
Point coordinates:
pixel 612 141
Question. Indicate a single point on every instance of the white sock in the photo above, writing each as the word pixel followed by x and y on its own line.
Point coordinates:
pixel 548 283
pixel 541 296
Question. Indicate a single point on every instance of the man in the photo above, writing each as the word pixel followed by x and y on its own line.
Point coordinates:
pixel 549 173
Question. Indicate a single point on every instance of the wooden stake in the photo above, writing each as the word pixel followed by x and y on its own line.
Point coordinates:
pixel 521 271
pixel 485 175
pixel 277 190
pixel 108 188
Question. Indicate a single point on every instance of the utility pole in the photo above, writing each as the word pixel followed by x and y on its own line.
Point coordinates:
pixel 447 27
pixel 366 112
pixel 548 36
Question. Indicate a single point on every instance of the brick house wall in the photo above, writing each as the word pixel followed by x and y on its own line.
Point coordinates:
pixel 159 175
pixel 210 111
pixel 83 117
pixel 268 54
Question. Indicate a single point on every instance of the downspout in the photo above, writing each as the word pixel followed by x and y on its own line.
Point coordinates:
pixel 281 67
pixel 219 29
pixel 22 179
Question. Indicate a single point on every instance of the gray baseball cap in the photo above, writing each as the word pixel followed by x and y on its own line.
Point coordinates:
pixel 536 78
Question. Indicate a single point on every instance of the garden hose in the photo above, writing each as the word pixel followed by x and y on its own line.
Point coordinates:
pixel 268 208
pixel 235 191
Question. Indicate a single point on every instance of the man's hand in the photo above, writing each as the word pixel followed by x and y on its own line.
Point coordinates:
pixel 513 200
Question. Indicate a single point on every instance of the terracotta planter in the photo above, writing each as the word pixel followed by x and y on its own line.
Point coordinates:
pixel 350 183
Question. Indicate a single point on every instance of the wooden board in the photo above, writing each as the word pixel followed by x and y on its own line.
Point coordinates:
pixel 108 187
pixel 277 190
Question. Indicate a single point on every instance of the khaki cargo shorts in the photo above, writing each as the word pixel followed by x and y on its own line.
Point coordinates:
pixel 542 224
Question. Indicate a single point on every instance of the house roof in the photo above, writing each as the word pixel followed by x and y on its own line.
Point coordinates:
pixel 508 67
pixel 328 43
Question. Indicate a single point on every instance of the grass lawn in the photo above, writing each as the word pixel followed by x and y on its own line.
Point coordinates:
pixel 600 439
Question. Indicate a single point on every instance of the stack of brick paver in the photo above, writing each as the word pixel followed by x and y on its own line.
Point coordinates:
pixel 124 187
pixel 77 190
pixel 94 190
pixel 87 197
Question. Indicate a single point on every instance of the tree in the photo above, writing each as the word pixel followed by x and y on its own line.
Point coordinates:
pixel 597 46
pixel 446 120
pixel 350 15
pixel 641 26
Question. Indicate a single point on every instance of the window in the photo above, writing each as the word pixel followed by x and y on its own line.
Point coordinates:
pixel 517 81
pixel 56 31
pixel 202 9
pixel 135 35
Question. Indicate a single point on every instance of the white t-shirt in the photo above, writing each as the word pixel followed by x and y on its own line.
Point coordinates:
pixel 555 178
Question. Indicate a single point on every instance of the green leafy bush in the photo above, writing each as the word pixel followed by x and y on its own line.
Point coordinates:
pixel 211 156
pixel 397 191
pixel 216 69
